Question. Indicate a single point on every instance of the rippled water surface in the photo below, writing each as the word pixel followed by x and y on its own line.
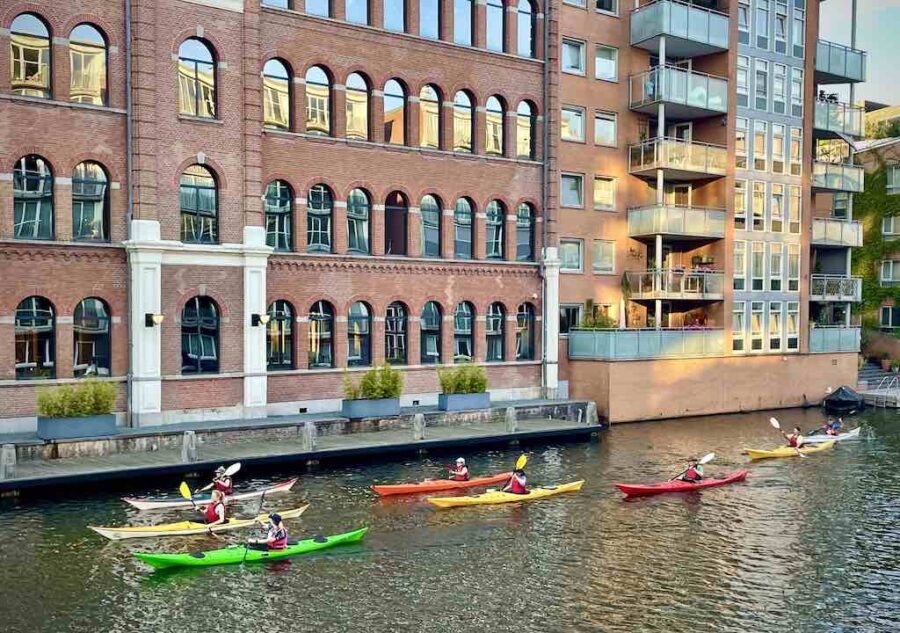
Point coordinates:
pixel 804 545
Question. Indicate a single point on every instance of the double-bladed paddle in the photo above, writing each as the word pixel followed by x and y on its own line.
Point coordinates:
pixel 703 460
pixel 775 424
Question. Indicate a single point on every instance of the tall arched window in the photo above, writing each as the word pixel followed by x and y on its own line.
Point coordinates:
pixel 463 21
pixel 525 332
pixel 90 328
pixel 525 131
pixel 35 329
pixel 276 95
pixel 395 15
pixel 525 29
pixel 463 115
pixel 87 60
pixel 279 215
pixel 524 233
pixel 358 222
pixel 29 56
pixel 430 212
pixel 32 199
pixel 280 336
pixel 430 333
pixel 319 210
pixel 394 113
pixel 462 229
pixel 495 219
pixel 359 335
pixel 90 202
pixel 357 107
pixel 430 117
pixel 321 335
pixel 357 11
pixel 463 322
pixel 318 101
pixel 496 30
pixel 396 209
pixel 493 141
pixel 200 336
pixel 496 318
pixel 395 334
pixel 430 19
pixel 319 7
pixel 196 79
pixel 199 206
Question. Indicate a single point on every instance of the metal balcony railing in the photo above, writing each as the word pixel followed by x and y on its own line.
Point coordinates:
pixel 678 155
pixel 837 177
pixel 836 63
pixel 699 93
pixel 835 232
pixel 676 220
pixel 833 338
pixel 835 288
pixel 839 118
pixel 632 344
pixel 668 283
pixel 690 29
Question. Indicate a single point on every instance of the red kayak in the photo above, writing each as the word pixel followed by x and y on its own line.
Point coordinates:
pixel 436 485
pixel 680 486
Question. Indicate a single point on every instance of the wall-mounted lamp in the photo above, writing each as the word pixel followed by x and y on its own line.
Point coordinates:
pixel 259 319
pixel 152 320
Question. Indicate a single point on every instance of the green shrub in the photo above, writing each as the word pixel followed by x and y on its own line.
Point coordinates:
pixel 593 319
pixel 379 382
pixel 91 397
pixel 465 378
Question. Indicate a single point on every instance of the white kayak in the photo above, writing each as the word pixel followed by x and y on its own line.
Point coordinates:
pixel 819 439
pixel 154 503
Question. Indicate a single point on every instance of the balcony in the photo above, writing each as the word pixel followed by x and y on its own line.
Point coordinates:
pixel 687 223
pixel 836 120
pixel 835 288
pixel 831 177
pixel 839 64
pixel 678 158
pixel 634 344
pixel 687 94
pixel 836 233
pixel 690 30
pixel 831 338
pixel 671 284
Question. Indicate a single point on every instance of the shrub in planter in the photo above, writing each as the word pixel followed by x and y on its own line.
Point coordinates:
pixel 72 411
pixel 377 394
pixel 463 387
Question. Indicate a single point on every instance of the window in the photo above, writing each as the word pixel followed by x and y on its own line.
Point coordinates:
pixel 319 7
pixel 762 24
pixel 604 257
pixel 525 233
pixel 793 267
pixel 87 65
pixel 756 325
pixel 572 57
pixel 761 84
pixel 792 326
pixel 276 95
pixel 29 57
pixel 429 18
pixel 797 92
pixel 604 193
pixel 570 255
pixel 798 32
pixel 358 222
pixel 430 210
pixel 780 30
pixel 740 204
pixel 196 79
pixel 776 266
pixel 890 225
pixel 494 332
pixel 321 335
pixel 200 336
pixel 775 326
pixel 608 6
pixel 840 205
pixel 394 113
pixel 778 148
pixel 199 206
pixel 740 143
pixel 743 80
pixel 279 204
pixel 35 332
pixel 890 274
pixel 606 63
pixel 463 118
pixel 463 18
pixel 525 332
pixel 572 124
pixel 794 210
pixel 359 335
pixel 496 32
pixel 757 265
pixel 893 179
pixel 395 334
pixel 319 214
pixel 744 22
pixel 890 317
pixel 779 88
pixel 493 141
pixel 738 326
pixel 318 101
pixel 571 190
pixel 759 206
pixel 430 333
pixel 357 91
pixel 796 151
pixel 463 320
pixel 357 11
pixel 396 209
pixel 462 229
pixel 90 202
pixel 90 329
pixel 525 120
pixel 605 128
pixel 740 265
pixel 280 336
pixel 525 29
pixel 776 208
pixel 760 138
pixel 569 317
pixel 430 117
pixel 395 15
pixel 495 218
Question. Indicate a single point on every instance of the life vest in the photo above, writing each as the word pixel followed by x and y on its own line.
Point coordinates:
pixel 278 538
pixel 794 441
pixel 224 485
pixel 517 487
pixel 211 514
pixel 461 474
pixel 692 475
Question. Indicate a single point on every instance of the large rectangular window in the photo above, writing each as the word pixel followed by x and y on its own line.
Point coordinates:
pixel 429 18
pixel 794 210
pixel 572 57
pixel 569 317
pixel 797 92
pixel 796 149
pixel 740 265
pixel 605 128
pixel 793 268
pixel 890 274
pixel 604 193
pixel 738 325
pixel 742 82
pixel 776 208
pixel 779 88
pixel 740 204
pixel 571 190
pixel 463 20
pixel 606 63
pixel 757 266
pixel 744 22
pixel 761 84
pixel 890 226
pixel 893 179
pixel 798 32
pixel 760 145
pixel 604 262
pixel 792 326
pixel 781 29
pixel 572 124
pixel 759 206
pixel 570 254
pixel 762 24
pixel 608 6
pixel 778 148
pixel 757 315
pixel 775 326
pixel 740 143
pixel 776 266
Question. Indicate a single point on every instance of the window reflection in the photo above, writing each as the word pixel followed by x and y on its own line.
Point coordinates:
pixel 90 202
pixel 35 332
pixel 32 199
pixel 276 95
pixel 87 58
pixel 394 113
pixel 90 327
pixel 198 206
pixel 357 107
pixel 462 122
pixel 200 336
pixel 321 335
pixel 29 57
pixel 196 79
pixel 318 101
pixel 429 118
pixel 493 142
pixel 279 204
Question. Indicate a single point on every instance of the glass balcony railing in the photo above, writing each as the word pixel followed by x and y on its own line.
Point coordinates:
pixel 631 344
pixel 835 232
pixel 699 93
pixel 838 64
pixel 681 158
pixel 831 338
pixel 690 29
pixel 839 118
pixel 835 288
pixel 669 283
pixel 837 177
pixel 676 220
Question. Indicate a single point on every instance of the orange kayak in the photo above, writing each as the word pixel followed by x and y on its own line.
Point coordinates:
pixel 437 485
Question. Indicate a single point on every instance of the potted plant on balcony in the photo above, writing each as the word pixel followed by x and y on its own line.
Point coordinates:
pixel 376 395
pixel 83 410
pixel 463 387
pixel 895 366
pixel 885 361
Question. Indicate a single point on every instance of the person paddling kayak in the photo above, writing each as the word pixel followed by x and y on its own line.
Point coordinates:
pixel 794 439
pixel 276 538
pixel 694 471
pixel 215 513
pixel 222 482
pixel 518 483
pixel 461 472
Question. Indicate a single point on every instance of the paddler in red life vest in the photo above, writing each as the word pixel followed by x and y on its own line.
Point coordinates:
pixel 794 439
pixel 215 513
pixel 221 482
pixel 518 483
pixel 461 472
pixel 694 472
pixel 276 538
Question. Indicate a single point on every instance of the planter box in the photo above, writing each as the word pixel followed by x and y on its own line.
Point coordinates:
pixel 381 408
pixel 71 428
pixel 463 401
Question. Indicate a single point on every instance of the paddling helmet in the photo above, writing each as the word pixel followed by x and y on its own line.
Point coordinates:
pixel 274 517
pixel 220 470
pixel 460 461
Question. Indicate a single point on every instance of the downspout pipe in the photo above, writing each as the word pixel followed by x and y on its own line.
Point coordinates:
pixel 545 184
pixel 129 212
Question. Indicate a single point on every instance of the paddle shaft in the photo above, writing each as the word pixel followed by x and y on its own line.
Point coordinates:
pixel 247 545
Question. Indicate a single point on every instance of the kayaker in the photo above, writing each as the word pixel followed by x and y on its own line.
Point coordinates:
pixel 276 538
pixel 694 471
pixel 834 427
pixel 518 483
pixel 215 513
pixel 461 472
pixel 794 439
pixel 221 482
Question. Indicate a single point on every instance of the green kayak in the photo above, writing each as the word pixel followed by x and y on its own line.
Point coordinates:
pixel 235 553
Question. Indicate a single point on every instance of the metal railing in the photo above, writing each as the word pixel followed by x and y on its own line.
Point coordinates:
pixel 840 61
pixel 672 84
pixel 676 220
pixel 835 288
pixel 669 283
pixel 840 118
pixel 680 20
pixel 835 232
pixel 834 338
pixel 837 176
pixel 632 344
pixel 676 153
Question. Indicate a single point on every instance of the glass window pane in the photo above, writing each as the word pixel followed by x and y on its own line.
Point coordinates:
pixel 431 227
pixel 606 62
pixel 87 65
pixel 493 142
pixel 319 7
pixel 280 336
pixel 29 57
pixel 525 132
pixel 462 22
pixel 524 29
pixel 429 118
pixel 279 207
pixel 35 339
pixel 494 223
pixel 462 229
pixel 357 99
pixel 90 202
pixel 429 18
pixel 524 233
pixel 394 113
pixel 196 79
pixel 462 123
pixel 571 190
pixel 357 11
pixel 200 336
pixel 318 101
pixel 394 15
pixel 319 210
pixel 496 15
pixel 321 335
pixel 276 95
pixel 198 206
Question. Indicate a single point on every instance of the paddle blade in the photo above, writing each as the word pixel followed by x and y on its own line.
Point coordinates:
pixel 774 423
pixel 184 490
pixel 520 463
pixel 233 469
pixel 707 458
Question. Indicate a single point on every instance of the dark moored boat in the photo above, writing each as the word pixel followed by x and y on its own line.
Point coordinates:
pixel 843 400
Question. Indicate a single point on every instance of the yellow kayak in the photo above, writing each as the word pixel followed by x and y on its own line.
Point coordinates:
pixel 494 497
pixel 787 451
pixel 186 528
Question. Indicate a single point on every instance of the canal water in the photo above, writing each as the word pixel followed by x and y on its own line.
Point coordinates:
pixel 804 545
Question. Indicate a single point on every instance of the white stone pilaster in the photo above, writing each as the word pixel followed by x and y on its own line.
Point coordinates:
pixel 551 266
pixel 255 381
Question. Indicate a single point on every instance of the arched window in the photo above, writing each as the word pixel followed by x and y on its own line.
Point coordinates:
pixel 280 336
pixel 196 79
pixel 318 101
pixel 319 209
pixel 35 339
pixel 357 107
pixel 395 15
pixel 395 334
pixel 359 335
pixel 32 199
pixel 496 31
pixel 90 328
pixel 394 113
pixel 29 56
pixel 430 333
pixel 357 11
pixel 493 142
pixel 525 29
pixel 430 212
pixel 463 21
pixel 525 131
pixel 87 59
pixel 430 117
pixel 90 202
pixel 276 95
pixel 495 220
pixel 463 115
pixel 279 215
pixel 430 19
pixel 463 322
pixel 199 206
pixel 524 233
pixel 319 7
pixel 525 332
pixel 321 335
pixel 462 229
pixel 496 318
pixel 358 222
pixel 200 336
pixel 396 209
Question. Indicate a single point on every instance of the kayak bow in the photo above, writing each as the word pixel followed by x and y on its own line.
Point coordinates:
pixel 437 485
pixel 787 451
pixel 154 503
pixel 495 497
pixel 635 490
